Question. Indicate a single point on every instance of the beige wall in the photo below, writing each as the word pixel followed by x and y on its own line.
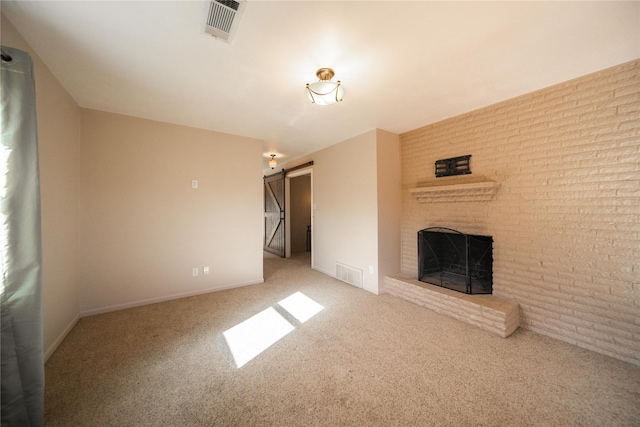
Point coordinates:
pixel 58 118
pixel 389 182
pixel 357 206
pixel 144 228
pixel 344 194
pixel 566 218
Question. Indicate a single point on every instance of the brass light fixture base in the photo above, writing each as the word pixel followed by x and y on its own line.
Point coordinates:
pixel 325 74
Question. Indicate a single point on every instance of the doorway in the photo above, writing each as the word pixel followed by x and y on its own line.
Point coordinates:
pixel 298 214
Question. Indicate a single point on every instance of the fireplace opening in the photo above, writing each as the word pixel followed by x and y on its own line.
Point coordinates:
pixel 457 261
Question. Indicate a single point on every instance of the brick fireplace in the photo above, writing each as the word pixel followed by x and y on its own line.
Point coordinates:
pixel 561 167
pixel 455 269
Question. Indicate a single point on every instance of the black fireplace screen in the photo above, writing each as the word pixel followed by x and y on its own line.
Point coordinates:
pixel 453 260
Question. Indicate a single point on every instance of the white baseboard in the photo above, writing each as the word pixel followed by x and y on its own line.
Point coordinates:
pixel 124 306
pixel 323 271
pixel 61 337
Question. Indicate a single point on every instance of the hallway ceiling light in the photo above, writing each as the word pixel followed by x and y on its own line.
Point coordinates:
pixel 272 161
pixel 325 92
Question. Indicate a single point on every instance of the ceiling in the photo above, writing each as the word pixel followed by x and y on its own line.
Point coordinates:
pixel 403 64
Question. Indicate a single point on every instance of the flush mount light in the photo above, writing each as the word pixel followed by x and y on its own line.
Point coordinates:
pixel 325 92
pixel 272 161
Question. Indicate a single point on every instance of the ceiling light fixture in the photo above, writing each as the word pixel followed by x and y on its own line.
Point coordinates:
pixel 272 161
pixel 325 92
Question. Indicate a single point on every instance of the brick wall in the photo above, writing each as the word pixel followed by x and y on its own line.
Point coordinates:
pixel 566 217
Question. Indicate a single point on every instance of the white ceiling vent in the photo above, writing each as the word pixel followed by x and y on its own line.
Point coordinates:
pixel 223 17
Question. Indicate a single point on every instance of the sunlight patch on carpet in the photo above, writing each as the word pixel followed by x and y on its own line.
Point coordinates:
pixel 301 306
pixel 248 339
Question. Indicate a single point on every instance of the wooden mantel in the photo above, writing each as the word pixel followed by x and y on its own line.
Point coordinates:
pixel 475 191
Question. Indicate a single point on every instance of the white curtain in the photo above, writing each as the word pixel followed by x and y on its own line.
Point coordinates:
pixel 20 246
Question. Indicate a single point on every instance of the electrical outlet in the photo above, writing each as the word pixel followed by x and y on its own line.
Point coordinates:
pixel 371 269
pixel 194 272
pixel 205 270
pixel 194 183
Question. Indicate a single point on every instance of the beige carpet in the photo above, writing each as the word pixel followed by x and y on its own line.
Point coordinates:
pixel 363 360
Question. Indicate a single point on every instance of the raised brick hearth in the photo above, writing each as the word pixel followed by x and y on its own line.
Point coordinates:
pixel 489 312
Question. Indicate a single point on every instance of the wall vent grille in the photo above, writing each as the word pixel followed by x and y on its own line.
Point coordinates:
pixel 223 17
pixel 453 166
pixel 351 275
